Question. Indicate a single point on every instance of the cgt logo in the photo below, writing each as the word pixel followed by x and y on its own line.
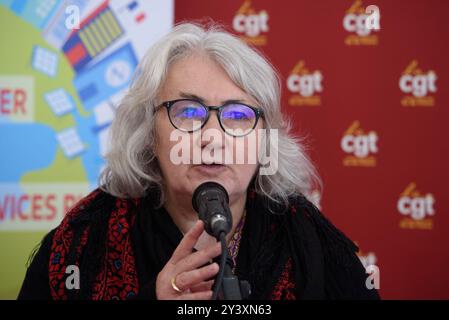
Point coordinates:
pixel 361 22
pixel 251 25
pixel 359 146
pixel 304 86
pixel 415 207
pixel 418 86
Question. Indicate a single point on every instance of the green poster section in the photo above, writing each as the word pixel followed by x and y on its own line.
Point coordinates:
pixel 17 39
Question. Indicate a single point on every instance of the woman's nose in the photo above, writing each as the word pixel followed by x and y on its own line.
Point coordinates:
pixel 213 129
pixel 212 122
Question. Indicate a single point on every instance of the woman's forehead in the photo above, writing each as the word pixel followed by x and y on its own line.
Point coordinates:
pixel 201 77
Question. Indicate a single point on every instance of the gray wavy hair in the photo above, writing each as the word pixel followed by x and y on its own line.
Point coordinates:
pixel 131 164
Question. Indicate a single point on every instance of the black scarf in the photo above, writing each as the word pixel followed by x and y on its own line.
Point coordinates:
pixel 325 265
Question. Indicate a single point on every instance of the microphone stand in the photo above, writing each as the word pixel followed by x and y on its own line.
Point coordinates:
pixel 211 201
pixel 231 287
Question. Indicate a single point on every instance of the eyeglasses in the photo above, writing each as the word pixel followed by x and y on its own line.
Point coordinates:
pixel 236 119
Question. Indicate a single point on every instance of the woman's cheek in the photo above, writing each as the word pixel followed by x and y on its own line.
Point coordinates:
pixel 241 175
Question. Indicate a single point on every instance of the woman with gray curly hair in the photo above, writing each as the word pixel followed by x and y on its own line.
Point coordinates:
pixel 203 107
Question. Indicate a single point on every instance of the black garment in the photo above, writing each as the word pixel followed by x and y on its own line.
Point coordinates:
pixel 325 265
pixel 36 285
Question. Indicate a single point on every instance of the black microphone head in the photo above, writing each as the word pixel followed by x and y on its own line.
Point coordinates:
pixel 211 201
pixel 208 186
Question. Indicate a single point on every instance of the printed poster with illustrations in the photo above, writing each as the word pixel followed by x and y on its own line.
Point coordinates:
pixel 64 67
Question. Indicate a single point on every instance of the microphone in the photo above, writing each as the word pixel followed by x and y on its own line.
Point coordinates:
pixel 211 201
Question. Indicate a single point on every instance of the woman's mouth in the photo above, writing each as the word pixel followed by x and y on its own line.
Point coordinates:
pixel 210 169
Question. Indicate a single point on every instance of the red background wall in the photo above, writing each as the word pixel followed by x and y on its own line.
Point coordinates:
pixel 361 83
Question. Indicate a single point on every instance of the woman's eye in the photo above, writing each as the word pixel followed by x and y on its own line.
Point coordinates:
pixel 189 112
pixel 235 115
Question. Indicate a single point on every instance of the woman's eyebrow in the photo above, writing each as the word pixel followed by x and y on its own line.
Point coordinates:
pixel 186 95
pixel 192 96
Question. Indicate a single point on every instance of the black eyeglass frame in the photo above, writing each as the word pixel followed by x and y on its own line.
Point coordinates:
pixel 169 104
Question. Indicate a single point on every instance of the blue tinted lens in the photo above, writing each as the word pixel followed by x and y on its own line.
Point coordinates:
pixel 187 115
pixel 238 112
pixel 238 119
pixel 188 110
